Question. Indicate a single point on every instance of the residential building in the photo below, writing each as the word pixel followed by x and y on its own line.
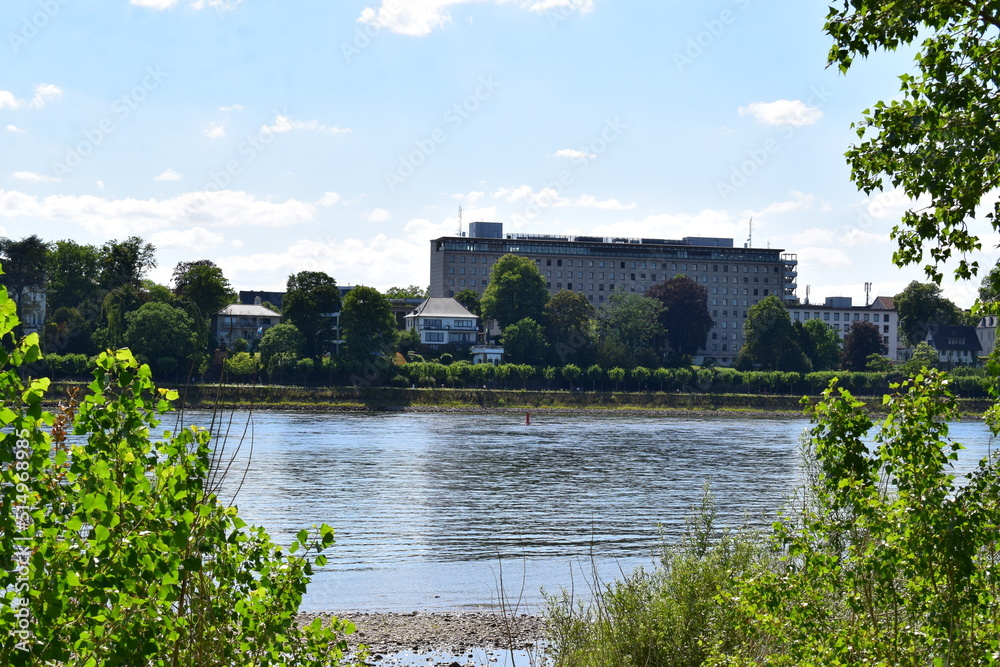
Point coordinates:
pixel 487 354
pixel 443 321
pixel 987 333
pixel 955 345
pixel 251 297
pixel 31 309
pixel 840 313
pixel 241 321
pixel 597 267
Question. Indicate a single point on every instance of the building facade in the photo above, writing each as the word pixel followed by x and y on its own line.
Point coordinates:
pixel 840 313
pixel 735 278
pixel 443 321
pixel 955 345
pixel 240 321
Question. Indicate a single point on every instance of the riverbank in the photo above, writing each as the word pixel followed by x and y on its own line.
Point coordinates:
pixel 397 399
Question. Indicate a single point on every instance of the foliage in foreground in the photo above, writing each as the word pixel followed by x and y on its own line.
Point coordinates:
pixel 885 558
pixel 115 549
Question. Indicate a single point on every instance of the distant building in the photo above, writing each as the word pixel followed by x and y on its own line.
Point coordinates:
pixel 251 297
pixel 241 321
pixel 955 345
pixel 31 309
pixel 986 330
pixel 840 313
pixel 443 321
pixel 487 354
pixel 597 267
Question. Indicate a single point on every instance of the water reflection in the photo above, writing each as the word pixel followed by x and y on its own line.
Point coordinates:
pixel 426 504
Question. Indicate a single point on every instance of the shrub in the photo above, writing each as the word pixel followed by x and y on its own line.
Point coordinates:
pixel 116 549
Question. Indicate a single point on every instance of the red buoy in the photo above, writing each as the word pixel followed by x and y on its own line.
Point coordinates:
pixel 527 418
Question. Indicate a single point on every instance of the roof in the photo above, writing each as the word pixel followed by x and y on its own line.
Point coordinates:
pixel 958 338
pixel 441 307
pixel 242 310
pixel 884 303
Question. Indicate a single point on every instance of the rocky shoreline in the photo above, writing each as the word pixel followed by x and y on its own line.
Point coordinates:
pixel 387 633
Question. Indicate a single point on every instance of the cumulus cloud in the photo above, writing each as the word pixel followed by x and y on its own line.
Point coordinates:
pixel 153 4
pixel 574 153
pixel 15 129
pixel 196 238
pixel 284 124
pixel 379 215
pixel 590 201
pixel 815 257
pixel 418 18
pixel 215 130
pixel 44 93
pixel 124 217
pixel 799 201
pixel 471 197
pixel 782 112
pixel 328 199
pixel 857 237
pixel 168 175
pixel 34 178
pixel 234 107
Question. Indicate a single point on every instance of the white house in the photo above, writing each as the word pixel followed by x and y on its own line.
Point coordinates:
pixel 441 321
pixel 241 321
pixel 31 309
pixel 840 313
pixel 987 332
pixel 487 354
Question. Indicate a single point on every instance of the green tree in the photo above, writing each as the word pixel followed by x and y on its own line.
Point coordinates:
pixel 862 339
pixel 202 283
pixel 409 292
pixel 524 342
pixel 820 343
pixel 632 321
pixel 118 303
pixel 572 374
pixel 311 298
pixel 470 301
pixel 595 374
pixel 368 325
pixel 616 375
pixel 569 325
pixel 516 291
pixel 924 356
pixel 281 343
pixel 685 317
pixel 129 556
pixel 920 304
pixel 73 276
pixel 161 336
pixel 770 341
pixel 125 262
pixel 24 265
pixel 878 363
pixel 409 341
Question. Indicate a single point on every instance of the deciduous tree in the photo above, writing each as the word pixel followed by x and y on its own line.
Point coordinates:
pixel 632 321
pixel 685 317
pixel 820 343
pixel 516 291
pixel 126 262
pixel 524 342
pixel 921 304
pixel 936 141
pixel 569 326
pixel 24 264
pixel 162 336
pixel 770 341
pixel 368 324
pixel 408 292
pixel 470 301
pixel 202 283
pixel 311 298
pixel 862 340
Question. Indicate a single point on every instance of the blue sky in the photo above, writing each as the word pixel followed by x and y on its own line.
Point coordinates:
pixel 342 136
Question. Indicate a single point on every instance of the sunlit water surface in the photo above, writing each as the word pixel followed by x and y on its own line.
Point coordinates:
pixel 431 511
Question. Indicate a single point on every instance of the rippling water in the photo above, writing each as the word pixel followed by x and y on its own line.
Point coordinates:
pixel 431 509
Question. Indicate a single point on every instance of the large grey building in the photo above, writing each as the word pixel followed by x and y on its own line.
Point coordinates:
pixel 734 277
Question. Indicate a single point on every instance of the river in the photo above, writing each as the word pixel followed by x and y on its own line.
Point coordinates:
pixel 435 511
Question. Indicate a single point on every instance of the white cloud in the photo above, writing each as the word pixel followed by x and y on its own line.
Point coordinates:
pixel 236 243
pixel 196 238
pixel 328 199
pixel 35 178
pixel 379 215
pixel 219 5
pixel 418 18
pixel 799 202
pixel 100 185
pixel 891 204
pixel 124 217
pixel 574 153
pixel 590 201
pixel 44 93
pixel 544 198
pixel 815 257
pixel 471 197
pixel 856 237
pixel 168 175
pixel 782 112
pixel 15 129
pixel 708 222
pixel 215 130
pixel 234 107
pixel 809 237
pixel 284 124
pixel 153 4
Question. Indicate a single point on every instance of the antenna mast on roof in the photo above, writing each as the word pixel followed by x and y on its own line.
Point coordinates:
pixel 808 289
pixel 868 290
pixel 750 238
pixel 459 219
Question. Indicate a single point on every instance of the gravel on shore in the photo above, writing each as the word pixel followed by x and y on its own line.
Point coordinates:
pixel 454 632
